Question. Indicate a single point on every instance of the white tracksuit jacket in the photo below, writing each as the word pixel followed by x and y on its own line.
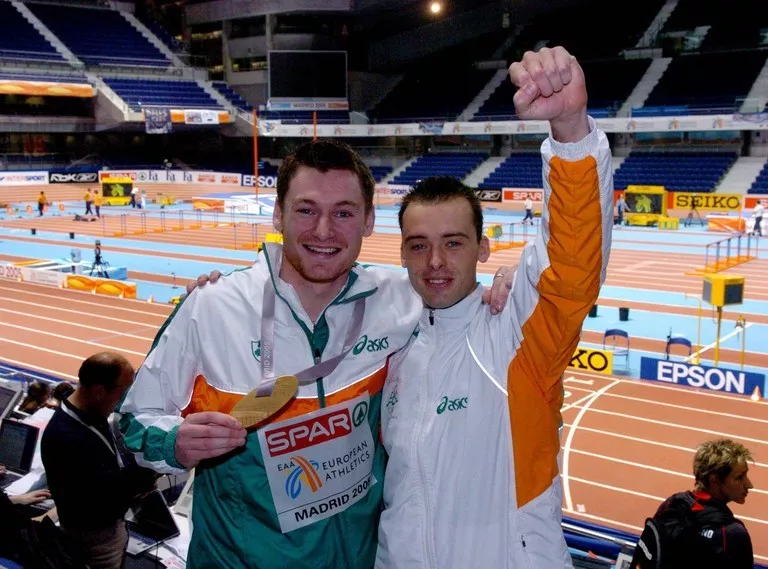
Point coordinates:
pixel 471 410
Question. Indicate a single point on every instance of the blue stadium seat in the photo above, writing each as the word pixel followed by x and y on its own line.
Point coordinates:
pixel 138 93
pixel 676 171
pixel 687 86
pixel 434 93
pixel 20 40
pixel 231 96
pixel 760 185
pixel 380 172
pixel 611 83
pixel 517 171
pixel 99 37
pixel 458 165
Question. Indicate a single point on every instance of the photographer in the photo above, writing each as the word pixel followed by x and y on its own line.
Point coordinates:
pixel 98 261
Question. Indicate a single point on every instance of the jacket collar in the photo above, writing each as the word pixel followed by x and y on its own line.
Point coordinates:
pixel 458 315
pixel 360 283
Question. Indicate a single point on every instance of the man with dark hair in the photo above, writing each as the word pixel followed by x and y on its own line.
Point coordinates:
pixel 301 487
pixel 479 486
pixel 697 528
pixel 325 156
pixel 442 189
pixel 89 483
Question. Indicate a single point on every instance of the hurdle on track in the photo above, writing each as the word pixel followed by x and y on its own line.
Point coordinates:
pixel 142 224
pixel 726 253
pixel 503 236
pixel 162 227
pixel 122 221
pixel 199 223
pixel 180 226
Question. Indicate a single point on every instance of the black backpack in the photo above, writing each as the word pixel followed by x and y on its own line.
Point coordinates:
pixel 679 536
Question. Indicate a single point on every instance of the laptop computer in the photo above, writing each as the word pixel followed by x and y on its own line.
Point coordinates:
pixel 150 524
pixel 17 449
pixel 10 395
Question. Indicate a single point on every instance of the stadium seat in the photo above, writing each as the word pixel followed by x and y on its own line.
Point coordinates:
pixel 517 171
pixel 99 36
pixel 432 94
pixel 676 171
pixel 687 86
pixel 20 40
pixel 380 172
pixel 232 96
pixel 458 165
pixel 760 185
pixel 138 93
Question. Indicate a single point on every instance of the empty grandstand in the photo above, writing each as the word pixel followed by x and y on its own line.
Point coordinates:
pixel 676 171
pixel 457 165
pixel 100 37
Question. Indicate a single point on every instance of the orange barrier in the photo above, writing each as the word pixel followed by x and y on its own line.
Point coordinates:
pixel 726 224
pixel 122 289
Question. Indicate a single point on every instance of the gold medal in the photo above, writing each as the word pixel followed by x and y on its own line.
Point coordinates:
pixel 252 409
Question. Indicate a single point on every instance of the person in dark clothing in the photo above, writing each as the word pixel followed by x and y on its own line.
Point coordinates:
pixel 719 540
pixel 89 482
pixel 722 476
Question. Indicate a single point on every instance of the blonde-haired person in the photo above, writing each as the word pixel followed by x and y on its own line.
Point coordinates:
pixel 715 539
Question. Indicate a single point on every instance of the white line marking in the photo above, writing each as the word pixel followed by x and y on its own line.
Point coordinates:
pixel 647 441
pixel 582 381
pixel 62 337
pixel 112 333
pixel 649 496
pixel 100 305
pixel 577 403
pixel 569 442
pixel 723 339
pixel 38 348
pixel 632 269
pixel 26 365
pixel 678 426
pixel 686 475
pixel 674 406
pixel 80 312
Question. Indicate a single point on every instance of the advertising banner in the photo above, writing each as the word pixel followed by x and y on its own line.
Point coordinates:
pixel 23 178
pixel 522 194
pixel 588 359
pixel 701 376
pixel 488 195
pixel 72 177
pixel 712 202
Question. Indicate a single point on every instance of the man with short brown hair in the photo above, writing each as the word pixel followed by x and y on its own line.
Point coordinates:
pixel 89 483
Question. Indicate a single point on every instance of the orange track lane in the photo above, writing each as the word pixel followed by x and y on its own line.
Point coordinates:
pixel 628 444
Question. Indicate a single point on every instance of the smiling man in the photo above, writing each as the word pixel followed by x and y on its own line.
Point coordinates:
pixel 303 490
pixel 473 403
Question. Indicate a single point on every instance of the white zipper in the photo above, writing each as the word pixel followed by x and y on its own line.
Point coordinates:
pixel 429 540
